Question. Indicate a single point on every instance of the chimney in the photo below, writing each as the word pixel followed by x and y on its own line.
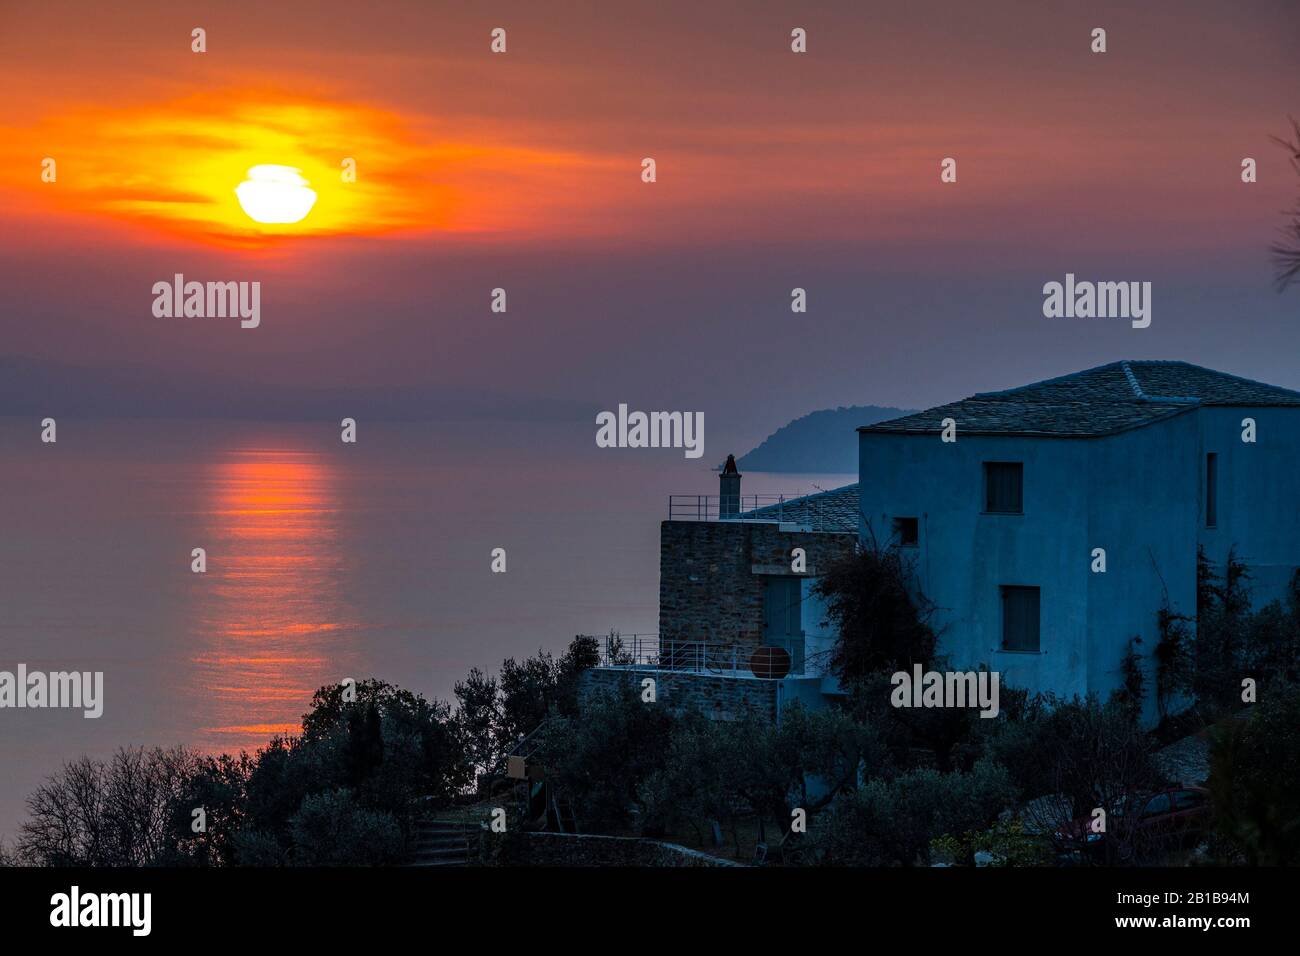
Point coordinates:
pixel 729 489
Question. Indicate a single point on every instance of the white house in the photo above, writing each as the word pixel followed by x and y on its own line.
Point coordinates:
pixel 1010 512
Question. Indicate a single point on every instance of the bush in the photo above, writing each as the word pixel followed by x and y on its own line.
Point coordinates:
pixel 331 830
pixel 1254 766
pixel 892 822
pixel 257 848
pixel 601 760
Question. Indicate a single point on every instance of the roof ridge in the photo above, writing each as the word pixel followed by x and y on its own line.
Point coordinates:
pixel 1219 372
pixel 1163 399
pixel 1132 379
pixel 1047 381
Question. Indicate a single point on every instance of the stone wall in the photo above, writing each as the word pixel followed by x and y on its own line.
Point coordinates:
pixel 581 849
pixel 718 697
pixel 708 588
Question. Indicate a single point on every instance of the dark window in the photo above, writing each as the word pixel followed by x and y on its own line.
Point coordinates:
pixel 907 532
pixel 781 608
pixel 1019 619
pixel 1211 490
pixel 782 618
pixel 1188 799
pixel 1156 805
pixel 1004 487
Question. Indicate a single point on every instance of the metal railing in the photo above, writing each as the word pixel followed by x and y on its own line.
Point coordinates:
pixel 648 652
pixel 728 507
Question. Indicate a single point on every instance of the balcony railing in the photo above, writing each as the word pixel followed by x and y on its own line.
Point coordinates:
pixel 648 652
pixel 728 507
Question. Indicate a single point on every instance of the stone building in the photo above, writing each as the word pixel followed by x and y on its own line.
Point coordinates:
pixel 739 625
pixel 1048 524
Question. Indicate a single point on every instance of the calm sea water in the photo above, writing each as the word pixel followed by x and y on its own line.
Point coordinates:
pixel 324 560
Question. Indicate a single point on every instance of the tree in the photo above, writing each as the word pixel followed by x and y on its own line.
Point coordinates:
pixel 951 734
pixel 1175 656
pixel 537 686
pixel 883 623
pixel 801 761
pixel 1132 692
pixel 1254 766
pixel 1222 619
pixel 1234 641
pixel 113 813
pixel 365 743
pixel 356 771
pixel 349 742
pixel 1273 639
pixel 600 760
pixel 479 718
pixel 893 822
pixel 219 786
pixel 1077 756
pixel 693 787
pixel 1286 252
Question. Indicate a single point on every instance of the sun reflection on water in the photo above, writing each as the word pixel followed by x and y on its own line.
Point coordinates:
pixel 270 619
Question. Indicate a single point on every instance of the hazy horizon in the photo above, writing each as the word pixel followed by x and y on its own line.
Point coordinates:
pixel 775 171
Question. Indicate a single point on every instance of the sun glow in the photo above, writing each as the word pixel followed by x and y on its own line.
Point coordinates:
pixel 197 167
pixel 275 194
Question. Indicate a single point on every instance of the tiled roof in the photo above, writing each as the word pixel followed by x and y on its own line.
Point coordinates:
pixel 1098 401
pixel 835 510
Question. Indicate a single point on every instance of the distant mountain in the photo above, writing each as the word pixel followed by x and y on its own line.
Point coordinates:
pixel 824 441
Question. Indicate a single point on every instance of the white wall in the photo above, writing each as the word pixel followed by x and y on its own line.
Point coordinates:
pixel 1259 494
pixel 1142 487
pixel 1133 494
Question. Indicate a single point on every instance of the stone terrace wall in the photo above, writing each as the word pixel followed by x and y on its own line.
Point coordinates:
pixel 708 590
pixel 722 698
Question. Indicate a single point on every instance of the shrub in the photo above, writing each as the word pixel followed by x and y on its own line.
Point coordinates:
pixel 331 830
pixel 892 822
pixel 1254 766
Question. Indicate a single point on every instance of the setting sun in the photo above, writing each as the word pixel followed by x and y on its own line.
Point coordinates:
pixel 275 194
pixel 203 168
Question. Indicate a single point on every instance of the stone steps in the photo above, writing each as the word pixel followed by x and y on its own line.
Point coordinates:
pixel 442 843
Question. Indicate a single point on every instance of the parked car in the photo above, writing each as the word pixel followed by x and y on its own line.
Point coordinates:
pixel 1140 823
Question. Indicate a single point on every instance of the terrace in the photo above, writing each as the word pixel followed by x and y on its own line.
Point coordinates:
pixel 731 659
pixel 835 510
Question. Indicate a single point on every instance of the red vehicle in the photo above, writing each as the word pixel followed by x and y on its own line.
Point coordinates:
pixel 1139 824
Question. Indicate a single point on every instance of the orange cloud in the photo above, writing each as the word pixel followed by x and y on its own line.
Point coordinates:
pixel 173 166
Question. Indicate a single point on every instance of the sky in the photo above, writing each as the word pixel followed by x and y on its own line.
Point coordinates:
pixel 522 171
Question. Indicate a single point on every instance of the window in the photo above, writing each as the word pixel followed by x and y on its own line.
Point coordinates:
pixel 1188 799
pixel 1211 490
pixel 1156 805
pixel 1004 487
pixel 907 532
pixel 1019 619
pixel 783 618
pixel 782 613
